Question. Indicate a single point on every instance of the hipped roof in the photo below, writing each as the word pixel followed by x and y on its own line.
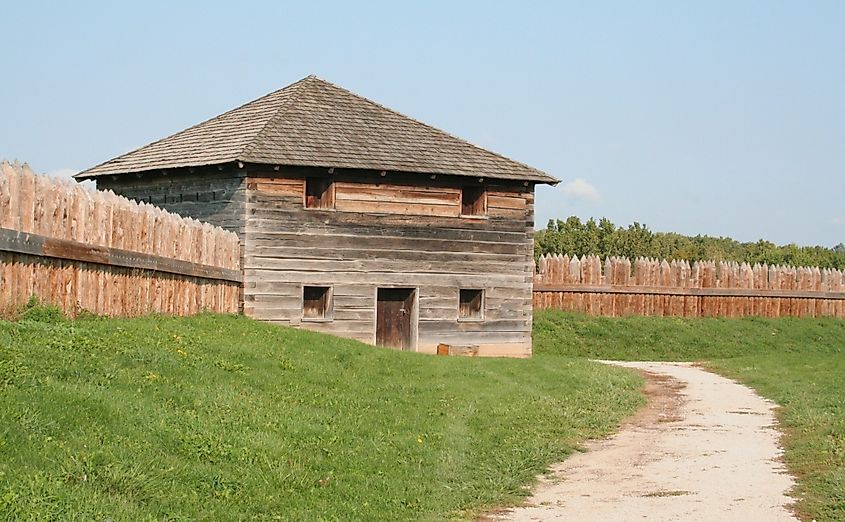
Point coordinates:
pixel 315 123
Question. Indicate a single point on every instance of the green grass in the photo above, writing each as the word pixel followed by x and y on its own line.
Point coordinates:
pixel 798 363
pixel 682 339
pixel 811 391
pixel 223 418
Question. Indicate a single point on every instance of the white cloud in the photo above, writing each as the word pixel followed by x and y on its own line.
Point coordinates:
pixel 67 174
pixel 579 188
pixel 62 173
pixel 839 221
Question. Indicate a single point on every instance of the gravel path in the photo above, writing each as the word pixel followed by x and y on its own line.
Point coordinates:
pixel 704 449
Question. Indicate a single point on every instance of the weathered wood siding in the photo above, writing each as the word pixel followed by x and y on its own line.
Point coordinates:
pixel 392 231
pixel 398 231
pixel 210 195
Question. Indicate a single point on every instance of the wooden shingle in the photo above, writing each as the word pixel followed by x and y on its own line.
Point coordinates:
pixel 315 123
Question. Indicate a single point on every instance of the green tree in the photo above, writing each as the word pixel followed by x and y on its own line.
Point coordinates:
pixel 604 238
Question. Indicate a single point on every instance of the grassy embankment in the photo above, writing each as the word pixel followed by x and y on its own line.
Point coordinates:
pixel 217 417
pixel 798 363
pixel 224 418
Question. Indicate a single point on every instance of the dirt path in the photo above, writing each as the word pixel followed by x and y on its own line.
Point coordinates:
pixel 704 449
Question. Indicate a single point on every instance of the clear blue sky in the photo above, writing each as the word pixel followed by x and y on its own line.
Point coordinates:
pixel 720 118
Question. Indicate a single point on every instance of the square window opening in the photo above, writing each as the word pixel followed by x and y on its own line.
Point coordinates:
pixel 473 201
pixel 471 304
pixel 316 302
pixel 319 193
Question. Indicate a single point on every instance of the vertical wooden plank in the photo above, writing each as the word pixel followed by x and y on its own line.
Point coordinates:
pixel 701 271
pixel 80 217
pixel 664 304
pixel 607 302
pixel 635 301
pixel 627 280
pixel 8 196
pixel 542 267
pixel 816 305
pixel 682 281
pixel 44 285
pixel 575 278
pixel 8 217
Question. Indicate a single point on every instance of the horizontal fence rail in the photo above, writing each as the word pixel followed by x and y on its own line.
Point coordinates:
pixel 33 244
pixel 83 249
pixel 619 286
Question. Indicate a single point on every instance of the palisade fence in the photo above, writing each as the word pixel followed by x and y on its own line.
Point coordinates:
pixel 83 249
pixel 704 289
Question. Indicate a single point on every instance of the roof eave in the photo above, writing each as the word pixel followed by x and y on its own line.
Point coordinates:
pixel 104 170
pixel 531 174
pixel 535 176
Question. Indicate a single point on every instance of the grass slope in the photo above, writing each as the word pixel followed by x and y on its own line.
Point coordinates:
pixel 798 363
pixel 223 418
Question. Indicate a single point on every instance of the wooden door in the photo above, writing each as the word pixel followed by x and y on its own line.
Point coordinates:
pixel 394 318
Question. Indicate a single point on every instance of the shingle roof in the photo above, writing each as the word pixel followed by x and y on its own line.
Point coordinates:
pixel 315 123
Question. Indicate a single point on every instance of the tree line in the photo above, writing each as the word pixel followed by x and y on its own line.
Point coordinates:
pixel 604 238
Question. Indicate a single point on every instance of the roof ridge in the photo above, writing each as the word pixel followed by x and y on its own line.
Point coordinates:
pixel 426 125
pixel 183 131
pixel 296 90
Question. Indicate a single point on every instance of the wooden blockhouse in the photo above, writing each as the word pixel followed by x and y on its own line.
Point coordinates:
pixel 354 220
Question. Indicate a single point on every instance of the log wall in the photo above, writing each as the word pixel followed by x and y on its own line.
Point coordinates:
pixel 89 250
pixel 208 194
pixel 391 231
pixel 704 289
